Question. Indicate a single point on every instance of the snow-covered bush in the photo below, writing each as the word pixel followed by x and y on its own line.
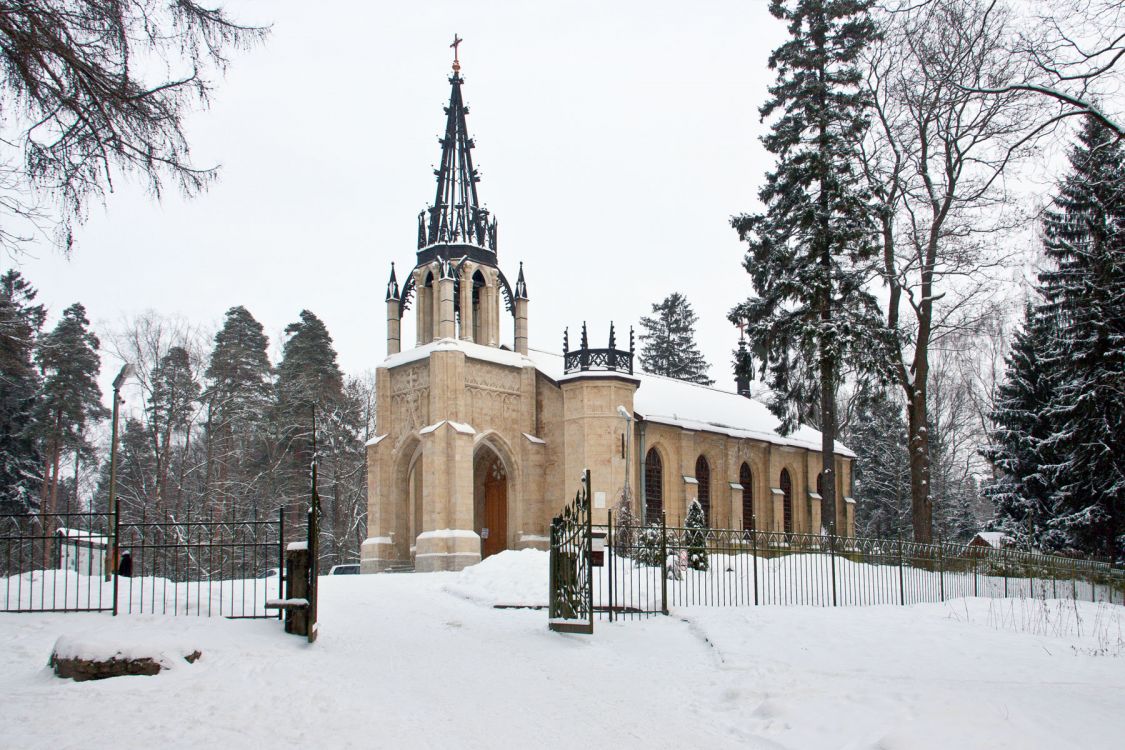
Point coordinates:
pixel 648 549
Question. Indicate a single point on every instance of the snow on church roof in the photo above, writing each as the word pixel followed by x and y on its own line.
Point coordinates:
pixel 476 351
pixel 658 399
pixel 699 407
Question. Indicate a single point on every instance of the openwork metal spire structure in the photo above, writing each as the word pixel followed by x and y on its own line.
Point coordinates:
pixel 456 216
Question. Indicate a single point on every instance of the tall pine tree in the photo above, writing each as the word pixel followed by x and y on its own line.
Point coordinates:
pixel 308 380
pixel 668 344
pixel 810 254
pixel 238 398
pixel 1085 295
pixel 69 400
pixel 20 462
pixel 172 407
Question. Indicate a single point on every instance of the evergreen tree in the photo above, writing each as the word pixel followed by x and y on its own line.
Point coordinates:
pixel 238 398
pixel 1085 295
pixel 877 433
pixel 648 549
pixel 136 472
pixel 308 380
pixel 1022 493
pixel 308 374
pixel 20 462
pixel 69 399
pixel 626 527
pixel 696 537
pixel 810 253
pixel 172 405
pixel 668 344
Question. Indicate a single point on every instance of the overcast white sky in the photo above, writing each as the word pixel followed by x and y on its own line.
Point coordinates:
pixel 615 140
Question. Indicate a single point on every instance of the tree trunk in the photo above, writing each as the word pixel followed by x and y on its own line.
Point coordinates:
pixel 922 509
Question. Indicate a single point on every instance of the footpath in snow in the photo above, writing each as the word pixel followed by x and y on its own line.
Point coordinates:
pixel 424 660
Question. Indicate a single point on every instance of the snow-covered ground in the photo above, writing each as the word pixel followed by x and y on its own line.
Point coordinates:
pixel 424 660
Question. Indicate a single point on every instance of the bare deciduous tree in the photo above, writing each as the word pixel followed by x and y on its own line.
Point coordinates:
pixel 1071 56
pixel 935 163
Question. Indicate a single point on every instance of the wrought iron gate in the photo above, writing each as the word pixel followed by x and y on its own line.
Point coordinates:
pixel 571 595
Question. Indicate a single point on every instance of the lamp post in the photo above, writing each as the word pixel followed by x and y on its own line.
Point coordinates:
pixel 111 515
pixel 624 414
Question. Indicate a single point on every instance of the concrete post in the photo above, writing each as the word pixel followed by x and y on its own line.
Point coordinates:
pixel 447 324
pixel 466 306
pixel 521 326
pixel 394 328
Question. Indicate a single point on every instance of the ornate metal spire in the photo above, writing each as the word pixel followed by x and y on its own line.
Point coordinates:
pixel 521 285
pixel 456 216
pixel 392 286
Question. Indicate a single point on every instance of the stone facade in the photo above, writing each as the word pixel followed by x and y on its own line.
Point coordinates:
pixel 457 418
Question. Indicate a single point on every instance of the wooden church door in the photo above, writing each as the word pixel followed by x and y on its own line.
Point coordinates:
pixel 495 513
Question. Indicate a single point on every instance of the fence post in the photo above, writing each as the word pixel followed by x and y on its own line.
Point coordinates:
pixel 1004 567
pixel 754 542
pixel 976 578
pixel 113 549
pixel 901 582
pixel 280 559
pixel 663 563
pixel 607 557
pixel 832 557
pixel 941 571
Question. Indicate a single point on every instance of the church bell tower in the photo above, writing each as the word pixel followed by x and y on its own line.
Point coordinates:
pixel 456 285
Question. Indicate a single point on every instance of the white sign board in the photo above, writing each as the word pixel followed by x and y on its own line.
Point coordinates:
pixel 599 499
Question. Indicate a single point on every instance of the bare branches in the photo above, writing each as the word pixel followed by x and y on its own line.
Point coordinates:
pixel 1071 56
pixel 93 86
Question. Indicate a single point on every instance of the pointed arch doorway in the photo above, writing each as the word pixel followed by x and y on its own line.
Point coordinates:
pixel 490 501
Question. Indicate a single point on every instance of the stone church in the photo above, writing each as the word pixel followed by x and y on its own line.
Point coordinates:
pixel 482 440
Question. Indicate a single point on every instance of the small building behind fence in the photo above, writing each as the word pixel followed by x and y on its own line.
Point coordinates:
pixel 83 552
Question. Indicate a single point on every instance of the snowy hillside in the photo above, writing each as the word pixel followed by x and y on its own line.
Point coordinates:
pixel 414 661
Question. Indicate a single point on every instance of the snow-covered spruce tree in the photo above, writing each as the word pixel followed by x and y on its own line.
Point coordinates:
pixel 1085 295
pixel 810 254
pixel 696 537
pixel 20 462
pixel 69 399
pixel 648 549
pixel 238 397
pixel 882 467
pixel 1022 493
pixel 668 343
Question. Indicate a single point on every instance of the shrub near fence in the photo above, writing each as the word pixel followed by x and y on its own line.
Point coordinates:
pixel 648 571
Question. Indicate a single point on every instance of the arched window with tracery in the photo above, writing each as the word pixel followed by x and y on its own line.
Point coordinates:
pixel 746 479
pixel 654 486
pixel 703 476
pixel 787 500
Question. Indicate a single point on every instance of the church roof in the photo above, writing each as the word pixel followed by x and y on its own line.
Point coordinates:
pixel 658 399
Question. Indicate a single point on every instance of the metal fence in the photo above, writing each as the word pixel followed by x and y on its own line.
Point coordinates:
pixel 571 596
pixel 204 565
pixel 647 570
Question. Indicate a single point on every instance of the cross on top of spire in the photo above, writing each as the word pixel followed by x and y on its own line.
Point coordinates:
pixel 456 43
